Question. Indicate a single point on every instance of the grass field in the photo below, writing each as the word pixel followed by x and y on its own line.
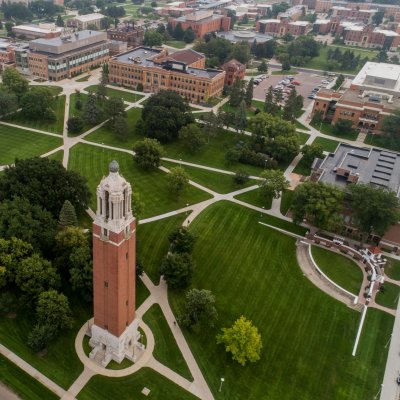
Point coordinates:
pixel 130 387
pixel 122 94
pixel 327 144
pixel 286 201
pixel 382 141
pixel 73 112
pixel 389 297
pixel 152 186
pixel 18 143
pixel 220 183
pixel 56 126
pixel 289 72
pixel 340 269
pixel 23 384
pixel 142 293
pixel 60 363
pixel 178 44
pixel 152 243
pixel 166 350
pixel 392 268
pixel 255 199
pixel 303 168
pixel 307 336
pixel 321 61
pixel 328 129
pixel 58 156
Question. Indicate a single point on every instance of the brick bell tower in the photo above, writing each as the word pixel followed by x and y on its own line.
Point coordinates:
pixel 114 334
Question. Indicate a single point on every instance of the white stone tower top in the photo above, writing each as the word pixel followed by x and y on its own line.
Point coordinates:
pixel 114 196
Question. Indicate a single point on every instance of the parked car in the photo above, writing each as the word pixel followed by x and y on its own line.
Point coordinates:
pixel 325 82
pixel 311 96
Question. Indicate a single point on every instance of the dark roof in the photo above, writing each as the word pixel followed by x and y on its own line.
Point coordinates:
pixel 187 56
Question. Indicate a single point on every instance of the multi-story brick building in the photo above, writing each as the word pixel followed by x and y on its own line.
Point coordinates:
pixel 202 22
pixel 85 21
pixel 63 57
pixel 293 13
pixel 353 14
pixel 133 36
pixel 370 37
pixel 373 94
pixel 235 71
pixel 32 31
pixel 323 6
pixel 279 28
pixel 156 70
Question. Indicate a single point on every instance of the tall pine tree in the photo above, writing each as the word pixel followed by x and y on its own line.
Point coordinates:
pixel 68 215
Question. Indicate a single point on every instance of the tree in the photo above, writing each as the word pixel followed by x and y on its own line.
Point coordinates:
pixel 177 270
pixel 199 309
pixel 36 104
pixel 344 126
pixel 121 127
pixel 241 52
pixel 152 38
pixel 242 340
pixel 317 118
pixel 60 21
pixel 26 221
pixel 270 106
pixel 374 208
pixel 263 67
pixel 34 178
pixel 390 126
pixel 68 215
pixel 293 106
pixel 53 310
pixel 92 113
pixel 14 82
pixel 40 337
pixel 101 93
pixel 285 64
pixel 241 117
pixel 319 203
pixel 377 18
pixel 270 126
pixel 75 125
pixel 241 177
pixel 192 137
pixel 35 275
pixel 232 15
pixel 178 31
pixel 8 103
pixel 211 124
pixel 189 35
pixel 115 11
pixel 181 240
pixel 248 96
pixel 236 94
pixel 273 184
pixel 163 115
pixel 311 152
pixel 382 56
pixel 81 271
pixel 178 181
pixel 115 108
pixel 148 153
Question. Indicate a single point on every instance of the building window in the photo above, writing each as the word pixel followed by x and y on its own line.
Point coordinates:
pixel 105 284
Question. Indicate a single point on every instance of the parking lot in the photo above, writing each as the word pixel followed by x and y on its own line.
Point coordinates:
pixel 308 81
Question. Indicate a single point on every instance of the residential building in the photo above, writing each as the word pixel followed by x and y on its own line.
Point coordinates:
pixel 235 71
pixel 202 22
pixel 293 13
pixel 279 28
pixel 351 164
pixel 323 6
pixel 33 31
pixel 133 36
pixel 66 56
pixel 86 21
pixel 353 14
pixel 212 4
pixel 157 70
pixel 372 95
pixel 370 37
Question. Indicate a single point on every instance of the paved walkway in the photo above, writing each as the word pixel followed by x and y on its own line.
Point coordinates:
pixel 7 394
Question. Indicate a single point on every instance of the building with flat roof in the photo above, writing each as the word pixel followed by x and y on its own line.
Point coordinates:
pixel 248 36
pixel 352 164
pixel 279 28
pixel 157 70
pixel 33 31
pixel 133 36
pixel 370 37
pixel 372 95
pixel 293 13
pixel 235 71
pixel 202 22
pixel 85 21
pixel 66 56
pixel 354 14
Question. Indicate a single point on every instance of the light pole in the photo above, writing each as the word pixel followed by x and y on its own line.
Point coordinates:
pixel 379 391
pixel 187 205
pixel 387 344
pixel 220 386
pixel 261 215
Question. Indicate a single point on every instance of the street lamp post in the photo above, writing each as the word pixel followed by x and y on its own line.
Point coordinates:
pixel 387 344
pixel 379 391
pixel 220 386
pixel 187 205
pixel 261 215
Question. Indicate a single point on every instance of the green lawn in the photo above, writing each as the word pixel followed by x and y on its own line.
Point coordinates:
pixel 321 63
pixel 58 156
pixel 290 72
pixel 56 126
pixel 130 387
pixel 142 293
pixel 382 141
pixel 60 363
pixel 18 143
pixel 253 197
pixel 303 168
pixel 220 183
pixel 166 350
pixel 286 200
pixel 389 297
pixel 153 244
pixel 328 129
pixel 23 384
pixel 327 144
pixel 55 90
pixel 83 79
pixel 73 112
pixel 392 268
pixel 126 96
pixel 307 335
pixel 152 186
pixel 176 43
pixel 303 137
pixel 340 269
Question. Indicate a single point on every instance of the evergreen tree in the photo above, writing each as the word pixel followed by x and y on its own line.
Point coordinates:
pixel 121 127
pixel 68 215
pixel 248 97
pixel 241 117
pixel 236 95
pixel 92 113
pixel 270 105
pixel 189 35
pixel 60 21
pixel 178 32
pixel 253 47
pixel 263 67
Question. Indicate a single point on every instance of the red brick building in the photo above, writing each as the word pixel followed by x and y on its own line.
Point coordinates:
pixel 235 71
pixel 279 28
pixel 202 22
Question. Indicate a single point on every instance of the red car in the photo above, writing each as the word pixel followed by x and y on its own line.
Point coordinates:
pixel 296 83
